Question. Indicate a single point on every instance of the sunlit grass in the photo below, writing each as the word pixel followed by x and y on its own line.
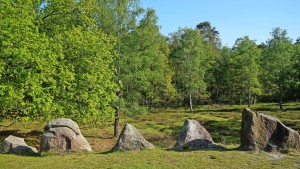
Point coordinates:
pixel 158 158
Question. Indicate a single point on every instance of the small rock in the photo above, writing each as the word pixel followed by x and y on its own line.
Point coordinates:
pixel 17 145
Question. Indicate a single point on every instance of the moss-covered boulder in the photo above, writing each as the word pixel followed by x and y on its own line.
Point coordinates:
pixel 264 132
pixel 131 139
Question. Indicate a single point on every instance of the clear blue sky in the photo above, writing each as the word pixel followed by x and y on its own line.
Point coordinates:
pixel 232 18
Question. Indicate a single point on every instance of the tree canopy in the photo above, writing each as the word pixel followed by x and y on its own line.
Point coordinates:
pixel 90 59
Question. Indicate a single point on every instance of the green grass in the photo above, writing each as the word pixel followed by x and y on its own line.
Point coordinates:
pixel 158 158
pixel 161 127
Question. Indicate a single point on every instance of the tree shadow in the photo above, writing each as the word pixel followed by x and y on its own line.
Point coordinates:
pixel 9 132
pixel 219 110
pixel 265 109
pixel 292 109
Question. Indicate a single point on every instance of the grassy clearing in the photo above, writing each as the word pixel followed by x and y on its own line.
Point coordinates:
pixel 161 127
pixel 154 159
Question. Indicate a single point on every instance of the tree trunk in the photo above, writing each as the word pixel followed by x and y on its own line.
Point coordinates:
pixel 249 99
pixel 191 104
pixel 116 124
pixel 280 98
pixel 280 104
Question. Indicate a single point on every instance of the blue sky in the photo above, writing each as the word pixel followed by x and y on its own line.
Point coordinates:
pixel 232 18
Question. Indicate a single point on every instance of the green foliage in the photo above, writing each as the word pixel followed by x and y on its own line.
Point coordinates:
pixel 83 59
pixel 84 75
pixel 189 60
pixel 144 64
pixel 277 65
pixel 118 17
pixel 23 52
pixel 210 34
pixel 244 71
pixel 55 63
pixel 295 91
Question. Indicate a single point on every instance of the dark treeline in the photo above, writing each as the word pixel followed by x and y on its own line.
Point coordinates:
pixel 93 59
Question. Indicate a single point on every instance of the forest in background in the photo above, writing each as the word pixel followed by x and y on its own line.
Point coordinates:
pixel 91 60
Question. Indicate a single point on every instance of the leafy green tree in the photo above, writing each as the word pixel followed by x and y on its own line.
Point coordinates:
pixel 55 62
pixel 84 75
pixel 296 67
pixel 85 55
pixel 23 53
pixel 189 61
pixel 277 65
pixel 145 65
pixel 221 92
pixel 244 70
pixel 118 18
pixel 61 15
pixel 213 76
pixel 142 71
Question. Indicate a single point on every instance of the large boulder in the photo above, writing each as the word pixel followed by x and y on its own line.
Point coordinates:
pixel 131 139
pixel 63 135
pixel 264 132
pixel 193 136
pixel 17 145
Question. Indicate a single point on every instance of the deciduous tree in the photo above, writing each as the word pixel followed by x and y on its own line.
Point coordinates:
pixel 189 62
pixel 277 65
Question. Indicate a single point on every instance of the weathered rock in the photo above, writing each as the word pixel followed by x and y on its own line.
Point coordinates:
pixel 131 139
pixel 63 135
pixel 264 132
pixel 17 145
pixel 193 136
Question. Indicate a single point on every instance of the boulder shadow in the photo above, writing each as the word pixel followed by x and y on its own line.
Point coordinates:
pixel 106 152
pixel 202 145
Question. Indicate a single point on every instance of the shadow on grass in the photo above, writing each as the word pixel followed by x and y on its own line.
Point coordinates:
pixel 292 109
pixel 17 133
pixel 5 133
pixel 219 110
pixel 272 109
pixel 107 152
pixel 97 137
pixel 34 155
pixel 215 147
pixel 173 129
pixel 266 109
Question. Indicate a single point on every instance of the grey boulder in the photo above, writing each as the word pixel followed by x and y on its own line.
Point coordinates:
pixel 193 136
pixel 63 135
pixel 264 132
pixel 17 145
pixel 131 139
